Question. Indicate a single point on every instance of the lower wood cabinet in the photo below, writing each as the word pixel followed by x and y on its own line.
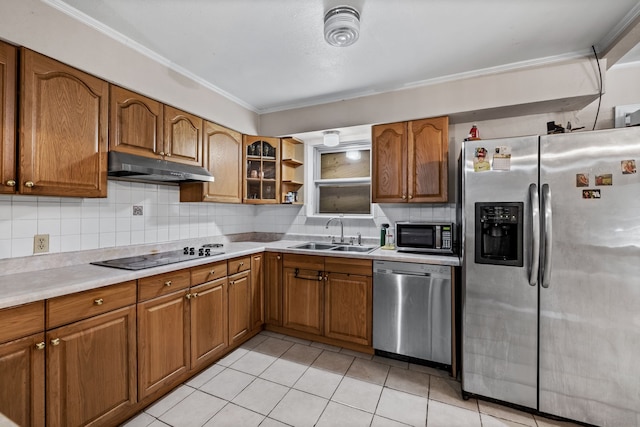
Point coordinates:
pixel 273 288
pixel 257 291
pixel 239 303
pixel 209 324
pixel 347 309
pixel 303 293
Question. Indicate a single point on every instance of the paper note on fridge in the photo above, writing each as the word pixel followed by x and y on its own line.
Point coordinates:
pixel 502 159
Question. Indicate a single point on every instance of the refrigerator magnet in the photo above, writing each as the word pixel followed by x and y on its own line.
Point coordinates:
pixel 604 179
pixel 628 167
pixel 590 194
pixel 582 180
pixel 502 159
pixel 480 162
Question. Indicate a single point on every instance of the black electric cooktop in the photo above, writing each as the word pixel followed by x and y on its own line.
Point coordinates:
pixel 141 262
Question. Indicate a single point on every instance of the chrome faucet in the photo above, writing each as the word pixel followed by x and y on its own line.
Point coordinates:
pixel 341 227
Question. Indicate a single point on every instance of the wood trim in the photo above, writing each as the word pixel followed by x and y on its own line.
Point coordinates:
pixel 8 123
pixel 20 321
pixel 163 284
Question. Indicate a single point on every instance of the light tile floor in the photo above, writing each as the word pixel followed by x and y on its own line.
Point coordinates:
pixel 275 380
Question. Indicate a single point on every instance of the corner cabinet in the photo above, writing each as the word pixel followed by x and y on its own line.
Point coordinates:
pixel 8 82
pixel 63 129
pixel 222 155
pixel 261 170
pixel 410 161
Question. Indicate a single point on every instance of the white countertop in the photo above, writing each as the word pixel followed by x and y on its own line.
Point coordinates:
pixel 22 288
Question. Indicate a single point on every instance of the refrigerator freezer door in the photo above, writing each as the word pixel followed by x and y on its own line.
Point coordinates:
pixel 589 313
pixel 500 317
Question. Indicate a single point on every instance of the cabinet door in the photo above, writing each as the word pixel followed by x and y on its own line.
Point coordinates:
pixel 389 151
pixel 348 308
pixel 63 130
pixel 136 124
pixel 182 136
pixel 261 169
pixel 303 307
pixel 222 153
pixel 8 69
pixel 163 342
pixel 273 288
pixel 239 306
pixel 428 160
pixel 257 291
pixel 209 322
pixel 22 380
pixel 91 369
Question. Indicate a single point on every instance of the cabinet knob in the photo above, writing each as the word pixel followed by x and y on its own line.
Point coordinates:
pixel 326 278
pixel 40 346
pixel 188 296
pixel 410 196
pixel 11 183
pixel 161 153
pixel 195 295
pixel 55 341
pixel 98 301
pixel 28 184
pixel 404 196
pixel 167 154
pixel 278 257
pixel 167 283
pixel 319 278
pixel 212 272
pixel 241 263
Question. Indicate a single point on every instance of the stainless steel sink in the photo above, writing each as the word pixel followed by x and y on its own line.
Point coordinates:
pixel 314 246
pixel 318 246
pixel 361 249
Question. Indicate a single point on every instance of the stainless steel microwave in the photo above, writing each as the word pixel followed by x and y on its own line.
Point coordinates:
pixel 425 237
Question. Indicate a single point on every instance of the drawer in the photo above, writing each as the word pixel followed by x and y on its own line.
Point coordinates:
pixel 209 272
pixel 74 307
pixel 20 321
pixel 162 284
pixel 238 265
pixel 362 267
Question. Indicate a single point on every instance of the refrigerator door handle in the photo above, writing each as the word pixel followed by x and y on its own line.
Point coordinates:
pixel 548 232
pixel 535 238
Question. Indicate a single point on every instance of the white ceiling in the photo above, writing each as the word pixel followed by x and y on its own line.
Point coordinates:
pixel 270 55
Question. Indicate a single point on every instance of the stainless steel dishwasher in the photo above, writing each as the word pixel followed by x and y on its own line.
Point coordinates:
pixel 412 310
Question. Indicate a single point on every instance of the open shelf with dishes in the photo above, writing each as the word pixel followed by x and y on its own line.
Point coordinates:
pixel 292 182
pixel 261 169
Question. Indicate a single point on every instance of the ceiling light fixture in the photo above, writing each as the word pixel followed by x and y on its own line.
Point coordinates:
pixel 331 138
pixel 341 26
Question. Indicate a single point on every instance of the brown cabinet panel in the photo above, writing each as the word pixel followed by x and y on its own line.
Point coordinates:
pixel 239 306
pixel 348 308
pixel 209 324
pixel 22 381
pixel 429 154
pixel 91 369
pixel 261 169
pixel 20 321
pixel 182 136
pixel 136 124
pixel 163 284
pixel 257 291
pixel 389 151
pixel 163 342
pixel 238 265
pixel 363 267
pixel 222 153
pixel 273 288
pixel 63 129
pixel 307 262
pixel 303 292
pixel 209 272
pixel 8 82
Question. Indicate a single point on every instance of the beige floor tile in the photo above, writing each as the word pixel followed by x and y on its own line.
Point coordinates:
pixel 158 423
pixel 299 409
pixel 336 414
pixel 379 421
pixel 303 354
pixel 270 422
pixel 284 372
pixel 391 362
pixel 205 376
pixel 297 340
pixel 408 381
pixel 195 410
pixel 318 382
pixel 357 354
pixel 253 363
pixel 548 422
pixel 273 347
pixel 261 396
pixel 234 416
pixel 141 420
pixel 169 401
pixel 334 362
pixel 443 415
pixel 228 383
pixel 448 391
pixel 358 394
pixel 368 370
pixel 491 421
pixel 232 357
pixel 325 346
pixel 506 413
pixel 402 407
pixel 254 342
pixel 429 370
pixel 272 334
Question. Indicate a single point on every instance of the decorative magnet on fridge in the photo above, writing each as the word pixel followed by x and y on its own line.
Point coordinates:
pixel 628 167
pixel 582 180
pixel 480 162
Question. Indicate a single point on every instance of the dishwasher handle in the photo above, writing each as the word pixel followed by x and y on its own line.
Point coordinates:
pixel 404 273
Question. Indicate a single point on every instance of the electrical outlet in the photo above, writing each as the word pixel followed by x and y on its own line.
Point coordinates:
pixel 137 210
pixel 40 243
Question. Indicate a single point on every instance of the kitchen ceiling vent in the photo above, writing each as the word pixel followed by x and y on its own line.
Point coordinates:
pixel 341 26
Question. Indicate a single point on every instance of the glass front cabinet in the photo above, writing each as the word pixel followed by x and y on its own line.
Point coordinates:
pixel 261 169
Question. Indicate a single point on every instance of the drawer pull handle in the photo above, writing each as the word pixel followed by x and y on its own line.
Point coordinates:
pixel 212 272
pixel 188 296
pixel 278 257
pixel 98 301
pixel 29 184
pixel 40 346
pixel 55 341
pixel 161 153
pixel 167 283
pixel 11 183
pixel 195 295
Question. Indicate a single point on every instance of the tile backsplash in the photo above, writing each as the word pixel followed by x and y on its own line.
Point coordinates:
pixel 83 224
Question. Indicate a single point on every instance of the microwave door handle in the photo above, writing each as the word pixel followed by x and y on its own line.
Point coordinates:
pixel 535 234
pixel 548 233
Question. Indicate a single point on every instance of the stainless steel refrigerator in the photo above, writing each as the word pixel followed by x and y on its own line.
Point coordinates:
pixel 551 273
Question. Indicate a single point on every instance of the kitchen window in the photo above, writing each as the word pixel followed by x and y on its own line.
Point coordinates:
pixel 342 180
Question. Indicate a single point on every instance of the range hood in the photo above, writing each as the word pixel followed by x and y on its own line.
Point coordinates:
pixel 130 167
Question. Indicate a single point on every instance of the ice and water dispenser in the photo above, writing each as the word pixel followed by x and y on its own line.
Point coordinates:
pixel 499 233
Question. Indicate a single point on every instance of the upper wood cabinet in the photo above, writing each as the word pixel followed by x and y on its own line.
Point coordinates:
pixel 261 169
pixel 410 161
pixel 182 136
pixel 8 82
pixel 136 124
pixel 63 129
pixel 222 155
